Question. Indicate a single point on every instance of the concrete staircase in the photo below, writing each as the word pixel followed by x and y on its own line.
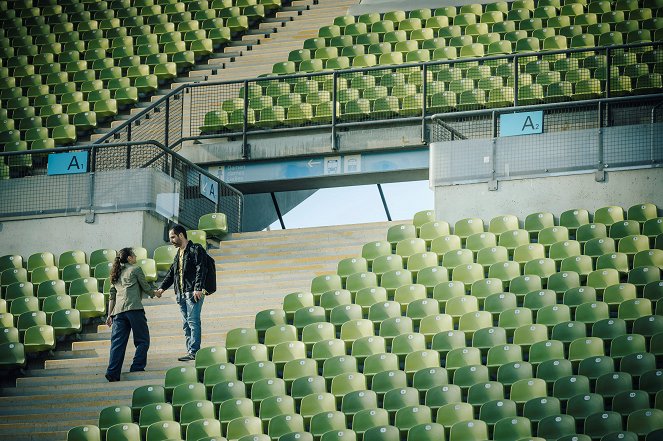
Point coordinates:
pixel 254 270
pixel 257 51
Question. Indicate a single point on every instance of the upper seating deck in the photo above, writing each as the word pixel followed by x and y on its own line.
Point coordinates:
pixel 449 35
pixel 67 67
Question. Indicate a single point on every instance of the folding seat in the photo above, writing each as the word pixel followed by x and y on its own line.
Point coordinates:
pixel 483 288
pixel 610 384
pixel 393 279
pixel 38 338
pixel 443 244
pixel 608 329
pixel 382 264
pixel 478 241
pixel 399 398
pixel 540 267
pixel 491 255
pixel 581 406
pixel 128 431
pixel 638 363
pixel 509 373
pixel 600 279
pixel 325 349
pixel 432 275
pixel 325 422
pixel 563 281
pixel 502 354
pixel 386 380
pixel 471 429
pixel 624 344
pixel 648 258
pixel 527 335
pixel 648 326
pixel 110 416
pixel 62 318
pixel 203 428
pixel 602 423
pixel 255 371
pixel 372 250
pixel 631 245
pixel 584 347
pixel 591 312
pixel 643 275
pixel 651 380
pixel 84 285
pixel 266 388
pixel 645 421
pixel 408 417
pixel 514 318
pixel 566 387
pixel 631 310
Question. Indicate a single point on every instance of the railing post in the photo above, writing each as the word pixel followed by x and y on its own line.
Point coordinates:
pixel 166 136
pixel 600 166
pixel 515 81
pixel 90 169
pixel 608 76
pixel 424 91
pixel 384 203
pixel 334 101
pixel 245 144
pixel 278 210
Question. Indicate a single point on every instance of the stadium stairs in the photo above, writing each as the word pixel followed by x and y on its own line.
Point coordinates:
pixel 257 51
pixel 255 270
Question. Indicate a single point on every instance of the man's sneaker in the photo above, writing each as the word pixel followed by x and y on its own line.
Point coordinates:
pixel 187 357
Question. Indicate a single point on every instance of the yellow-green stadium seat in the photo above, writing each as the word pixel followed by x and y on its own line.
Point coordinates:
pixel 530 94
pixel 91 305
pixel 39 338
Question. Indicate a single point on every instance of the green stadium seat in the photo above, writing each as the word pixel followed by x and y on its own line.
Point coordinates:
pixel 84 433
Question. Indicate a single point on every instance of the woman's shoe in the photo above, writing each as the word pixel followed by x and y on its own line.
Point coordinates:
pixel 112 379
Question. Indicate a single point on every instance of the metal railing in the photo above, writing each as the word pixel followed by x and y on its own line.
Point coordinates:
pixel 589 137
pixel 106 187
pixel 181 115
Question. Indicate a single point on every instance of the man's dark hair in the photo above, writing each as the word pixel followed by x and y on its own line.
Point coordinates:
pixel 178 229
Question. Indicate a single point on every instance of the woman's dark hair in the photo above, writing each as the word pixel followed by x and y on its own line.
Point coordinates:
pixel 121 258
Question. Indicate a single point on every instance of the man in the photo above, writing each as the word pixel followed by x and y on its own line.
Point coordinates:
pixel 187 273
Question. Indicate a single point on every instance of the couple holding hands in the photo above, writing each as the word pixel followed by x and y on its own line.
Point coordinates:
pixel 125 309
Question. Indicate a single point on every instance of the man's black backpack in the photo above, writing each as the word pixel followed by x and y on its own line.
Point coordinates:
pixel 209 284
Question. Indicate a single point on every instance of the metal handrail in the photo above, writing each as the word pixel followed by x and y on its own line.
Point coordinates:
pixel 335 73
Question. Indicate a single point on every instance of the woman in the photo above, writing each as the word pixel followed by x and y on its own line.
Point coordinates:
pixel 126 313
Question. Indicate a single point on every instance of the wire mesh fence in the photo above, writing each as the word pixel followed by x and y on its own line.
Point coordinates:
pixel 152 172
pixel 589 136
pixel 453 82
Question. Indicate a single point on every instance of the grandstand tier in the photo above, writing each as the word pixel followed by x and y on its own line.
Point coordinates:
pixel 534 346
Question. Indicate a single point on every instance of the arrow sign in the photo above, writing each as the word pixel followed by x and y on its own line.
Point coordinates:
pixel 312 163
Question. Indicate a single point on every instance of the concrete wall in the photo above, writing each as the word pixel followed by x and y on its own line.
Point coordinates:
pixel 59 234
pixel 553 194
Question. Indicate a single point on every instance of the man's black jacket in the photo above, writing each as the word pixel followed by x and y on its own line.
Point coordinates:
pixel 194 271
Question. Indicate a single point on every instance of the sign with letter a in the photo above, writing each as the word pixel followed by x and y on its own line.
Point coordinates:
pixel 525 123
pixel 67 163
pixel 209 188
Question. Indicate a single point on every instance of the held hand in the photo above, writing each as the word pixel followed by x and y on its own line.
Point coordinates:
pixel 197 295
pixel 158 292
pixel 109 321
